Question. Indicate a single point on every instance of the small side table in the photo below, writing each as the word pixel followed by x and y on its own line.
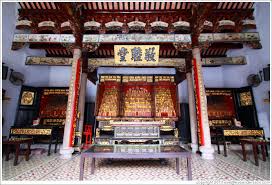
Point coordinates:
pixel 17 142
pixel 255 143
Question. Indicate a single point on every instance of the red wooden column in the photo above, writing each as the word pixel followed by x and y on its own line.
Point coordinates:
pixel 205 148
pixel 72 106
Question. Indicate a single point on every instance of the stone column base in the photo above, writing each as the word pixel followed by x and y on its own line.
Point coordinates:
pixel 194 147
pixel 66 153
pixel 207 152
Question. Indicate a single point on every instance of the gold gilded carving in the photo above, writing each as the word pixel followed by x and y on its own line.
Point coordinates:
pixel 168 62
pixel 97 132
pixel 27 98
pixel 100 62
pixel 164 103
pixel 243 132
pixel 137 102
pixel 182 46
pixel 110 102
pixel 245 99
pixel 91 47
pixel 164 78
pixel 30 131
pixel 137 78
pixel 49 61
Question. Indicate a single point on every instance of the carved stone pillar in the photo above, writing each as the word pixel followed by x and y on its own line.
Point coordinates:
pixel 192 112
pixel 71 112
pixel 205 148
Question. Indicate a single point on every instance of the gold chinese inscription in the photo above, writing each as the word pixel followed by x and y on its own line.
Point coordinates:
pixel 115 78
pixel 245 99
pixel 27 98
pixel 164 78
pixel 215 92
pixel 30 131
pixel 54 121
pixel 137 78
pixel 136 54
pixel 243 132
pixel 220 122
pixel 55 91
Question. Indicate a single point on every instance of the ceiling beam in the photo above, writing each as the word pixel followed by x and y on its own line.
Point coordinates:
pixel 103 17
pixel 251 39
pixel 109 62
pixel 73 13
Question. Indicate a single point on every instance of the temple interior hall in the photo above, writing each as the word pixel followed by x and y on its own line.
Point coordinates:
pixel 165 92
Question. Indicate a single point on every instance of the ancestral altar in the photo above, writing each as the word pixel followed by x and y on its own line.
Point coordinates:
pixel 135 109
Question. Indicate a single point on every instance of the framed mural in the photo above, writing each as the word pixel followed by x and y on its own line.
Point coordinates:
pixel 27 98
pixel 221 107
pixel 53 105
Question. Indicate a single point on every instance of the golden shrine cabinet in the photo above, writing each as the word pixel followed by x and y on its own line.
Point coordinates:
pixel 231 108
pixel 137 109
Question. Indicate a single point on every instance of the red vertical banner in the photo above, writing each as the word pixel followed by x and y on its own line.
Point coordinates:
pixel 198 101
pixel 75 102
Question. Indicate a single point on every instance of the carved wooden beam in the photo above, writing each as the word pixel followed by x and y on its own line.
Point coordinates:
pixel 223 61
pixel 100 62
pixel 137 38
pixel 93 63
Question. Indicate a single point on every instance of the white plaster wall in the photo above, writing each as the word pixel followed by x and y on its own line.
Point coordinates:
pixel 34 76
pixel 59 76
pixel 213 77
pixel 236 76
pixel 183 92
pixel 90 91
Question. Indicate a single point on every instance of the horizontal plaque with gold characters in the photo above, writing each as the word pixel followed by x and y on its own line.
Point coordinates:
pixel 133 55
pixel 105 78
pixel 164 78
pixel 30 131
pixel 243 133
pixel 137 78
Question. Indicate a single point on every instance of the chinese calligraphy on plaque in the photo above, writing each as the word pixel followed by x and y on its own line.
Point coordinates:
pixel 136 54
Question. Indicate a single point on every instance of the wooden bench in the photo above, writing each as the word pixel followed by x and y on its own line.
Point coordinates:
pixel 138 152
pixel 255 143
pixel 17 142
